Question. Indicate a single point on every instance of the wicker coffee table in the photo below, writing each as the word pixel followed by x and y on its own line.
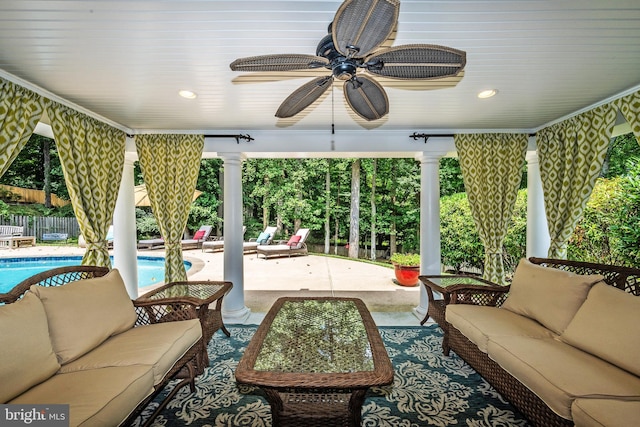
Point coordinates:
pixel 458 288
pixel 315 358
pixel 201 294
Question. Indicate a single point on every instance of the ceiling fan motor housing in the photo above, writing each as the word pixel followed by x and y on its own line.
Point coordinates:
pixel 343 68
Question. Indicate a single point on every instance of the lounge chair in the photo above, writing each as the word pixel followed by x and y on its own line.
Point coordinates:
pixel 151 244
pixel 264 238
pixel 294 246
pixel 217 244
pixel 200 236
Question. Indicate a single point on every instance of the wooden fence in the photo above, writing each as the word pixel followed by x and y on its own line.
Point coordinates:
pixel 39 225
pixel 26 195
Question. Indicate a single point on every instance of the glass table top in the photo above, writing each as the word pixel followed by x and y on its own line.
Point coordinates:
pixel 316 336
pixel 447 281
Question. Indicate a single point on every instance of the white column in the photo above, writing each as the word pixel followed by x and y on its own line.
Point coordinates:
pixel 430 259
pixel 538 239
pixel 124 231
pixel 233 308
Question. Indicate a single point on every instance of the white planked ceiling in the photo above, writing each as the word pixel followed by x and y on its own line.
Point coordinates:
pixel 125 61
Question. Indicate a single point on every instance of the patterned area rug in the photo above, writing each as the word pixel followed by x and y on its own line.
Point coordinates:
pixel 428 389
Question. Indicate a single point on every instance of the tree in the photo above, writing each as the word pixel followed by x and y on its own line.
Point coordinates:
pixel 450 176
pixel 31 170
pixel 373 212
pixel 327 213
pixel 620 150
pixel 354 217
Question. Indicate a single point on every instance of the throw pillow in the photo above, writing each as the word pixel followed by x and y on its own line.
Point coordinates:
pixel 26 355
pixel 263 238
pixel 294 240
pixel 613 337
pixel 199 235
pixel 85 313
pixel 548 295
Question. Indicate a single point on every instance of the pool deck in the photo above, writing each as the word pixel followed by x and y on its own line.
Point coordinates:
pixel 267 280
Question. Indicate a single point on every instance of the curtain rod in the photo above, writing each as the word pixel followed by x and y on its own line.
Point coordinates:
pixel 237 137
pixel 415 136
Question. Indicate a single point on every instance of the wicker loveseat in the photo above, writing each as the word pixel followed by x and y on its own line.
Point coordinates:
pixel 564 346
pixel 72 336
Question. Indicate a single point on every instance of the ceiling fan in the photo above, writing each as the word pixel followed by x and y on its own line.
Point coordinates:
pixel 354 42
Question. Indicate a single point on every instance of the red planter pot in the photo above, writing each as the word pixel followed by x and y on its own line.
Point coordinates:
pixel 407 275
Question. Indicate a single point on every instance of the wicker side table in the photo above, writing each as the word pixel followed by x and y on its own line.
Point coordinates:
pixel 461 289
pixel 202 294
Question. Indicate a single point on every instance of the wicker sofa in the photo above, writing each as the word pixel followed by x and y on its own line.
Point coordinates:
pixel 563 347
pixel 86 344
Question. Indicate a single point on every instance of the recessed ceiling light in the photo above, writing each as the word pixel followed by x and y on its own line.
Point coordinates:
pixel 187 94
pixel 487 93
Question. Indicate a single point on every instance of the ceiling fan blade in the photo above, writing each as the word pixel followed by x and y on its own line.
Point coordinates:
pixel 279 62
pixel 417 61
pixel 364 24
pixel 304 96
pixel 366 97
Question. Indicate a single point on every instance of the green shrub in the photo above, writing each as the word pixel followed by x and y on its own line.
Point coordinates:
pixel 460 243
pixel 4 210
pixel 593 239
pixel 409 260
pixel 626 230
pixel 146 225
pixel 200 215
pixel 461 246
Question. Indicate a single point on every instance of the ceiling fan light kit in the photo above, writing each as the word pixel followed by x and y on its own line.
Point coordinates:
pixel 352 52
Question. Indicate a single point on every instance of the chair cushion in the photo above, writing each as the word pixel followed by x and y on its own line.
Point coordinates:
pixel 199 235
pixel 97 397
pixel 479 324
pixel 294 240
pixel 83 314
pixel 26 353
pixel 159 345
pixel 263 238
pixel 613 337
pixel 548 295
pixel 559 373
pixel 605 412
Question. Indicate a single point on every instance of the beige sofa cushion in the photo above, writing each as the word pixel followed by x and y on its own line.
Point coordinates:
pixel 479 324
pixel 160 345
pixel 548 295
pixel 83 314
pixel 613 337
pixel 96 398
pixel 26 354
pixel 559 373
pixel 605 412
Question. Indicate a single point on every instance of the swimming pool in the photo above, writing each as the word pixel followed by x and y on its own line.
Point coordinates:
pixel 15 270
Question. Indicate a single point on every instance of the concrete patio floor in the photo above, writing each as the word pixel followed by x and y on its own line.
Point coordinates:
pixel 312 275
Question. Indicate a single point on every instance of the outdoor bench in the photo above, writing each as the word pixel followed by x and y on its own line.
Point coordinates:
pixel 88 345
pixel 562 347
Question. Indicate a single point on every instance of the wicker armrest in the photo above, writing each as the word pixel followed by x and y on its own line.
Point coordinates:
pixel 164 310
pixel 492 296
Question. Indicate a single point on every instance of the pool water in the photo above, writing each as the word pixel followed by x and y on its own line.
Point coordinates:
pixel 15 270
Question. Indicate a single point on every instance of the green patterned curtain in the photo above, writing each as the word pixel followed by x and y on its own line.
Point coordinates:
pixel 571 156
pixel 629 106
pixel 20 112
pixel 492 171
pixel 92 158
pixel 170 165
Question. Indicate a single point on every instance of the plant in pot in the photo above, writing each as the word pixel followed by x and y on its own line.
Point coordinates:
pixel 407 268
